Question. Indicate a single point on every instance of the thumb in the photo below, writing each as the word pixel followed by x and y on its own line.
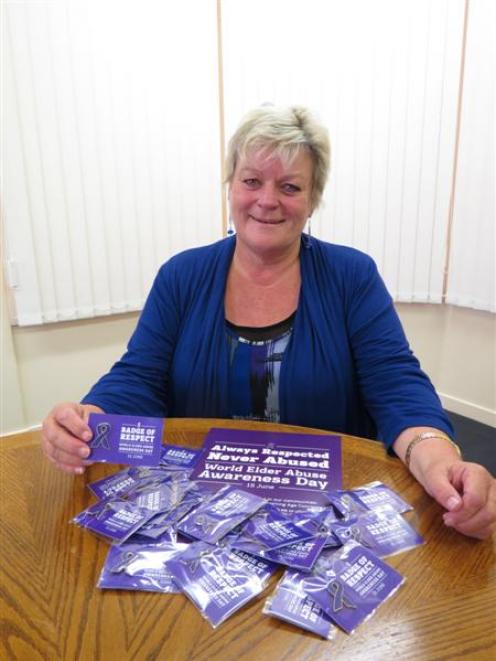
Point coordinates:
pixel 445 493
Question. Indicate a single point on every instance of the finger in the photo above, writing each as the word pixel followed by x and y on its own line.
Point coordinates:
pixel 441 489
pixel 71 470
pixel 478 492
pixel 65 449
pixel 60 438
pixel 67 468
pixel 483 519
pixel 477 533
pixel 474 505
pixel 71 418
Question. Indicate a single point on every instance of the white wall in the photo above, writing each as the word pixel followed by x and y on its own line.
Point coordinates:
pixel 60 361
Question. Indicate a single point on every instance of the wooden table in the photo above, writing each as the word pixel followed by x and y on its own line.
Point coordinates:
pixel 51 609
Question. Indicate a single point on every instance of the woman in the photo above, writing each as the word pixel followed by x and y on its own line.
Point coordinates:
pixel 273 324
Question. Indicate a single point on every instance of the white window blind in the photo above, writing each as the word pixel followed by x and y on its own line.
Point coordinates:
pixel 472 274
pixel 111 138
pixel 111 149
pixel 384 77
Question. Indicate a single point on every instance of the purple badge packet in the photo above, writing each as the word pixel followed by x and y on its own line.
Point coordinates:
pixel 319 521
pixel 372 496
pixel 140 567
pixel 213 519
pixel 114 519
pixel 176 457
pixel 385 532
pixel 168 520
pixel 345 504
pixel 349 584
pixel 298 556
pixel 133 479
pixel 113 485
pixel 218 580
pixel 126 439
pixel 159 496
pixel 269 529
pixel 147 474
pixel 291 604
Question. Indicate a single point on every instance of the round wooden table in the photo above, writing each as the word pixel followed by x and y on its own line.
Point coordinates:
pixel 52 609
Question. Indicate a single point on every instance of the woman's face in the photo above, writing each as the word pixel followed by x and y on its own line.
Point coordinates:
pixel 271 200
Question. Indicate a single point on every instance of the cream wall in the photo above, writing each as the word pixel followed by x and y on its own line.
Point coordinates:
pixel 457 348
pixel 45 364
pixel 11 408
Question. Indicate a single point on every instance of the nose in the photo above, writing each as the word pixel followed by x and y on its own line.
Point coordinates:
pixel 268 198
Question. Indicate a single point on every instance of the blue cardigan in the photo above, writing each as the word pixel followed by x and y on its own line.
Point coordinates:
pixel 347 368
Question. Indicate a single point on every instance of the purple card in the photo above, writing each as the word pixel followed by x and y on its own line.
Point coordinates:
pixel 126 439
pixel 114 519
pixel 372 496
pixel 177 457
pixel 269 529
pixel 319 521
pixel 291 604
pixel 113 485
pixel 169 536
pixel 162 497
pixel 168 520
pixel 298 556
pixel 349 584
pixel 213 519
pixel 140 567
pixel 293 471
pixel 345 504
pixel 384 532
pixel 216 579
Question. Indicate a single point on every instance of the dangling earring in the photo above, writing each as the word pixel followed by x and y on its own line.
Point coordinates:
pixel 230 227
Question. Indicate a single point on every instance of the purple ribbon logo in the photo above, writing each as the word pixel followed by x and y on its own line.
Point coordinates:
pixel 101 439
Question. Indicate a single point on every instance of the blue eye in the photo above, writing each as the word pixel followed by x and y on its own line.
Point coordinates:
pixel 291 188
pixel 251 182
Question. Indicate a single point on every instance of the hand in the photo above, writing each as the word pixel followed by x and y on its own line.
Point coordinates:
pixel 65 436
pixel 468 492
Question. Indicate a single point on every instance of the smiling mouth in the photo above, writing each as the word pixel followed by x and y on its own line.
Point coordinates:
pixel 267 222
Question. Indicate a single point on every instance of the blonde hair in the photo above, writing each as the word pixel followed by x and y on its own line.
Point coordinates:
pixel 283 131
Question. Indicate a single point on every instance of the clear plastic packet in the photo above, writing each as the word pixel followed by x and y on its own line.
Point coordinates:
pixel 114 485
pixel 218 580
pixel 160 496
pixel 155 474
pixel 372 496
pixel 269 529
pixel 225 510
pixel 350 583
pixel 169 536
pixel 346 504
pixel 290 603
pixel 113 519
pixel 384 531
pixel 140 567
pixel 176 457
pixel 167 521
pixel 319 521
pixel 301 556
